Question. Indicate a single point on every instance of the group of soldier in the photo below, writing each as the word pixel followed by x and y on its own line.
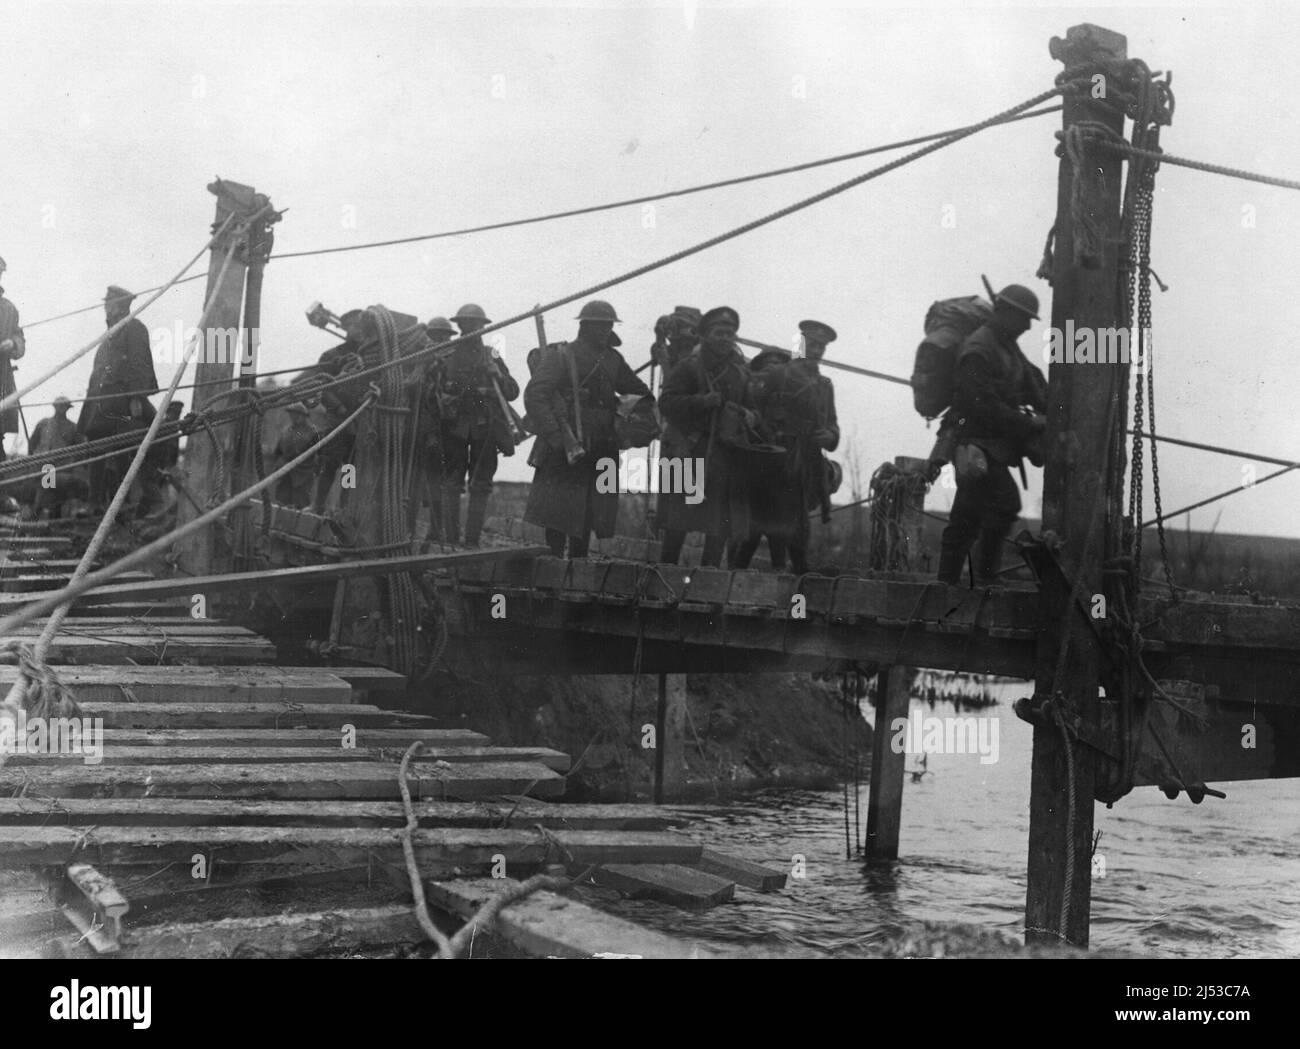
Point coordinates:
pixel 117 402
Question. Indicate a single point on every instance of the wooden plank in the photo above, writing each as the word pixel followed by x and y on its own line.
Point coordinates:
pixel 296 576
pixel 371 679
pixel 440 739
pixel 550 925
pixel 885 800
pixel 279 935
pixel 196 812
pixel 439 852
pixel 135 625
pixel 741 871
pixel 173 755
pixel 684 887
pixel 248 715
pixel 197 684
pixel 34 584
pixel 132 649
pixel 339 779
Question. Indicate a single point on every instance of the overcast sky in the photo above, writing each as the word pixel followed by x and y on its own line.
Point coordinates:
pixel 373 121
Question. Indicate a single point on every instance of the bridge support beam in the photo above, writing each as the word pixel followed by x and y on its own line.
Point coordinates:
pixel 885 802
pixel 1080 496
pixel 670 735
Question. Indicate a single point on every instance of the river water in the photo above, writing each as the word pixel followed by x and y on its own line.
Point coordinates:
pixel 1219 880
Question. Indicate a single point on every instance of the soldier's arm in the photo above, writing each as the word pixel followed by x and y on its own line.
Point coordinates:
pixel 829 424
pixel 977 399
pixel 627 381
pixel 139 358
pixel 509 388
pixel 681 401
pixel 541 395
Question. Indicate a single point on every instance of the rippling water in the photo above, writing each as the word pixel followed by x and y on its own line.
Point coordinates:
pixel 1220 879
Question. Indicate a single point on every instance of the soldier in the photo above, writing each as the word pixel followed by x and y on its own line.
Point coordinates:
pixel 338 402
pixel 572 400
pixel 295 489
pixel 775 502
pixel 117 398
pixel 991 431
pixel 676 335
pixel 798 408
pixel 467 404
pixel 428 448
pixel 701 399
pixel 12 347
pixel 50 435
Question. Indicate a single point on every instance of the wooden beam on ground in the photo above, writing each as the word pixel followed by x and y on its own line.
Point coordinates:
pixel 684 887
pixel 549 925
pixel 336 780
pixel 439 852
pixel 157 646
pixel 198 684
pixel 437 739
pixel 201 812
pixel 741 871
pixel 249 715
pixel 155 755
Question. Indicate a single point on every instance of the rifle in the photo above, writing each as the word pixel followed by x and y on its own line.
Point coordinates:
pixel 573 449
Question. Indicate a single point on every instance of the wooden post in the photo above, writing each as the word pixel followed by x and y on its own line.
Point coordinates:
pixel 885 802
pixel 215 373
pixel 670 735
pixel 1078 508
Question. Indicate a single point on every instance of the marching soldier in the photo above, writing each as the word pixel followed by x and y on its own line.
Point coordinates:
pixel 706 399
pixel 49 435
pixel 428 438
pixel 117 399
pixel 467 403
pixel 797 404
pixel 12 347
pixel 572 400
pixel 991 432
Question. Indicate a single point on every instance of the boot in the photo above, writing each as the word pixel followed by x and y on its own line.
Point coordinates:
pixel 951 562
pixel 556 539
pixel 451 516
pixel 474 519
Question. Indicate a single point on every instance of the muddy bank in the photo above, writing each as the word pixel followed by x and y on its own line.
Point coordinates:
pixel 742 731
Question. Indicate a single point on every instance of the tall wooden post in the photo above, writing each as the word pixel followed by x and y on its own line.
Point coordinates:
pixel 670 735
pixel 1078 508
pixel 215 372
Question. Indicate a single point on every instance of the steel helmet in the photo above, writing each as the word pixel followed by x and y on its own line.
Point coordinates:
pixel 471 312
pixel 598 310
pixel 440 324
pixel 1020 297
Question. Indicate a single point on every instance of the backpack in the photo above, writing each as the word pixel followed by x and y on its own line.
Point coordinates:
pixel 947 324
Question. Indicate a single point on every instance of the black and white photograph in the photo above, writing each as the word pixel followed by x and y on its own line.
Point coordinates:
pixel 665 479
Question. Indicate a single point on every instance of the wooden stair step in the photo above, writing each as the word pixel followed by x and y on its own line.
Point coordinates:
pixel 124 649
pixel 742 871
pixel 336 779
pixel 198 684
pixel 195 812
pixel 39 584
pixel 399 738
pixel 249 715
pixel 126 755
pixel 439 852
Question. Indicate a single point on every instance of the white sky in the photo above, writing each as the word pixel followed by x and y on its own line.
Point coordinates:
pixel 415 118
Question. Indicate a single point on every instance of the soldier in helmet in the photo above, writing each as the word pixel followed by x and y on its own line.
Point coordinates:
pixel 467 404
pixel 358 350
pixel 12 347
pixel 697 396
pixel 428 436
pixel 993 385
pixel 49 435
pixel 572 400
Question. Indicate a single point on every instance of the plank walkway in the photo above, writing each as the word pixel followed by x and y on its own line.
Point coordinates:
pixel 210 758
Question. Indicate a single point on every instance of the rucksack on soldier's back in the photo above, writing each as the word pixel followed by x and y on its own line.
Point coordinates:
pixel 947 324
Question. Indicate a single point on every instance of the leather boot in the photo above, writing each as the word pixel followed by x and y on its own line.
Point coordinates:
pixel 451 517
pixel 475 517
pixel 951 562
